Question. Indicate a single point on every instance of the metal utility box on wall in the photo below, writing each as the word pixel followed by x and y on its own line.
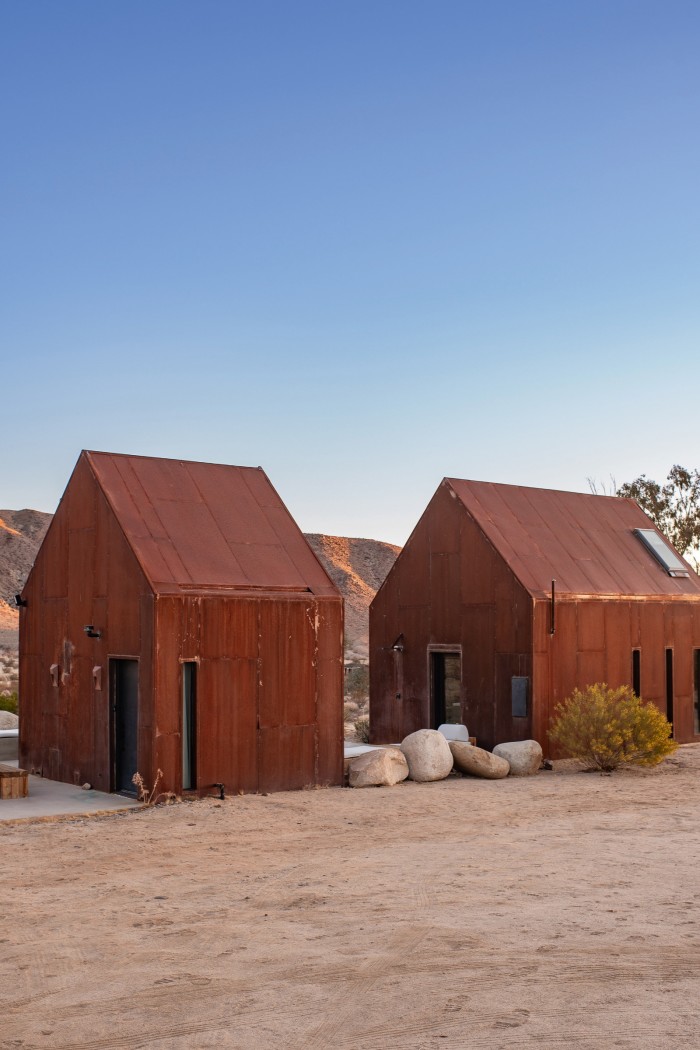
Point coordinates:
pixel 177 619
pixel 475 580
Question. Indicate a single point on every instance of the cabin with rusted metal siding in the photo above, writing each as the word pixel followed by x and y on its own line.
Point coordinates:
pixel 177 619
pixel 462 629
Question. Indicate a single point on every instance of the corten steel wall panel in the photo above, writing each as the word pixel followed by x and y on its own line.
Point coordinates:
pixel 329 692
pixel 653 659
pixel 386 710
pixel 444 524
pixel 227 721
pixel 287 688
pixel 477 567
pixel 541 625
pixel 618 646
pixel 564 657
pixel 590 668
pixel 230 627
pixel 170 616
pixel 591 627
pixel 385 719
pixel 52 567
pixel 414 624
pixel 478 681
pixel 444 598
pixel 33 689
pixel 505 727
pixel 541 691
pixel 71 722
pixel 287 757
pixel 678 626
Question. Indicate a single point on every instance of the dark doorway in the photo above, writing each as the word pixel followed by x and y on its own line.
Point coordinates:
pixel 124 680
pixel 189 726
pixel 446 688
pixel 669 686
pixel 696 691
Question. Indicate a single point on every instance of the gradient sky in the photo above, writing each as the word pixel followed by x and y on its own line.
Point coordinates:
pixel 363 244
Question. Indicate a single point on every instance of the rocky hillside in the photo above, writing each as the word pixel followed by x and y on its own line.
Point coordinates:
pixel 358 567
pixel 21 532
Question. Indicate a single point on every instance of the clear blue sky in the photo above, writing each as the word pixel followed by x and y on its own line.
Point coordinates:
pixel 364 245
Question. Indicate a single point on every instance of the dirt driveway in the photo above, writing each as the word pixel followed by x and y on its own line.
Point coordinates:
pixel 559 911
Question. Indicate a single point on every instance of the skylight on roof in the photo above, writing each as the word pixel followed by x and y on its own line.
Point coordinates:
pixel 662 552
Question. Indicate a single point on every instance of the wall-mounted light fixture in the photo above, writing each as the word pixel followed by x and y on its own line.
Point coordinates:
pixel 19 601
pixel 91 632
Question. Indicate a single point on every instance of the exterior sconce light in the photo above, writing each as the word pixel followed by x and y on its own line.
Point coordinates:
pixel 91 632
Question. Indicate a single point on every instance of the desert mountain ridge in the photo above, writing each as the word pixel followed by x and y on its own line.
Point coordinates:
pixel 358 568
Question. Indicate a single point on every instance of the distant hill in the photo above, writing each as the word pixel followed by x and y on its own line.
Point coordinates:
pixel 358 567
pixel 21 532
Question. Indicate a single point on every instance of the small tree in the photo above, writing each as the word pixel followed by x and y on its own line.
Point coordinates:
pixel 674 507
pixel 608 727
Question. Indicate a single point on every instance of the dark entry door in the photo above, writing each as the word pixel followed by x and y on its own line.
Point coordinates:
pixel 446 687
pixel 125 718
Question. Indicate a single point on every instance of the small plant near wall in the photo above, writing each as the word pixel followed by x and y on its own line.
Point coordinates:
pixel 609 727
pixel 9 702
pixel 150 798
pixel 362 730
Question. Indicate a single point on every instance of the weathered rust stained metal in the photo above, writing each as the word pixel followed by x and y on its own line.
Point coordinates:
pixel 182 562
pixel 476 575
pixel 203 524
pixel 586 542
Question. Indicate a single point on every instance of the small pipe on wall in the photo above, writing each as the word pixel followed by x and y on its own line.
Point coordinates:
pixel 552 621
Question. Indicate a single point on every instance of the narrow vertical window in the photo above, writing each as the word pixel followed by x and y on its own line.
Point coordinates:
pixel 189 726
pixel 669 686
pixel 696 690
pixel 637 671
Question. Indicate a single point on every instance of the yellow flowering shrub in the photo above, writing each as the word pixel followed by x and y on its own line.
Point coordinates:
pixel 607 727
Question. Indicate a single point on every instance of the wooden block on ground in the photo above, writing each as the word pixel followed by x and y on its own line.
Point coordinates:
pixel 14 783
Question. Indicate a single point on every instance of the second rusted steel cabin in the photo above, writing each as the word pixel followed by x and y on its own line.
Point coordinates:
pixel 177 619
pixel 464 628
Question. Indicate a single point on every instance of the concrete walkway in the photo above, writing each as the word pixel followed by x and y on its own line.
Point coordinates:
pixel 49 798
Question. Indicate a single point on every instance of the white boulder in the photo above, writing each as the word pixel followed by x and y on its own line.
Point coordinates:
pixel 478 763
pixel 428 755
pixel 381 768
pixel 523 756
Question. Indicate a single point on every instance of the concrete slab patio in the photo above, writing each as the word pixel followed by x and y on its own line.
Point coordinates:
pixel 49 798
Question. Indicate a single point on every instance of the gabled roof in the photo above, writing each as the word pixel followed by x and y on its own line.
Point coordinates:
pixel 585 542
pixel 206 526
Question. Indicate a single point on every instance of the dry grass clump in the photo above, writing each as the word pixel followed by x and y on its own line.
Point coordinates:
pixel 150 798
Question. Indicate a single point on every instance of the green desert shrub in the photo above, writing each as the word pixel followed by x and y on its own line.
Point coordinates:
pixel 362 730
pixel 608 727
pixel 9 702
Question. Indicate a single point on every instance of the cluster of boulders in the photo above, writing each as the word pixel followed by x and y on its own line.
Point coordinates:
pixel 426 756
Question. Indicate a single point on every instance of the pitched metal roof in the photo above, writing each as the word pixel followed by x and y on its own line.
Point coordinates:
pixel 207 526
pixel 585 542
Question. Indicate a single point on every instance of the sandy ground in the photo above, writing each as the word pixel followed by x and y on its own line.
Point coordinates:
pixel 559 911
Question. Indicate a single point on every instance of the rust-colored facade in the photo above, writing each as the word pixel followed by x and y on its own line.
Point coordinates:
pixel 216 649
pixel 470 596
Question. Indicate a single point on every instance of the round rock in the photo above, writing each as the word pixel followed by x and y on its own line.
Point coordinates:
pixel 476 762
pixel 428 755
pixel 381 768
pixel 523 756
